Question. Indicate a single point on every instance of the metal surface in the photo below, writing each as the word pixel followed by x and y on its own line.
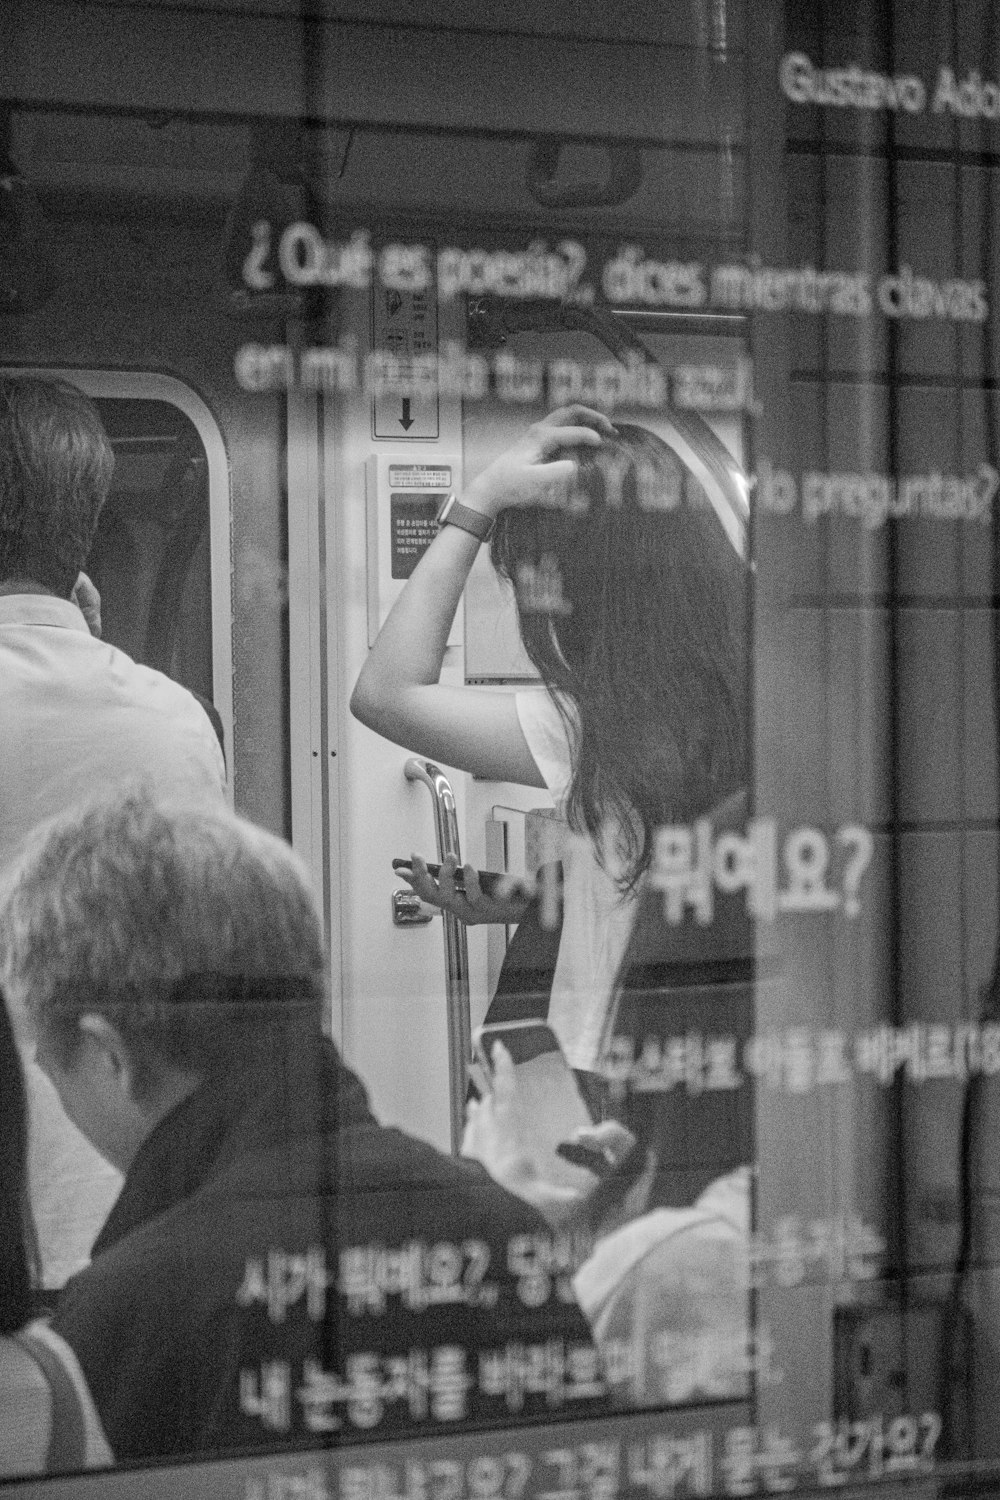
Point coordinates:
pixel 456 949
pixel 408 910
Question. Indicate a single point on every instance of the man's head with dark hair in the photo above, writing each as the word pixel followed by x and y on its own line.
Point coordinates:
pixel 55 472
pixel 153 946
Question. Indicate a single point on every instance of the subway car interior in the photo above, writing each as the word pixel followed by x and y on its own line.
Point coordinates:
pixel 319 264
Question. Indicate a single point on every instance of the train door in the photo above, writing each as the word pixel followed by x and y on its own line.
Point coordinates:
pixel 380 463
pixel 391 445
pixel 398 392
pixel 161 559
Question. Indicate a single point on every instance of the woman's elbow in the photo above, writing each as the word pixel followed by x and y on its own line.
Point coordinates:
pixel 365 702
pixel 378 705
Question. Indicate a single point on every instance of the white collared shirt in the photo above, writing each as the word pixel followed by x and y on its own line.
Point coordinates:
pixel 78 717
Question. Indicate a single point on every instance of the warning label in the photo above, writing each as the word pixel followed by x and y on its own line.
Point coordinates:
pixel 412 528
pixel 419 477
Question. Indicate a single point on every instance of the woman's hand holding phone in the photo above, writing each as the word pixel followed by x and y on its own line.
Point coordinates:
pixel 507 903
pixel 492 1137
pixel 531 1131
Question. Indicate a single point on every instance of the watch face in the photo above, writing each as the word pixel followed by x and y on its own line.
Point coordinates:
pixel 446 505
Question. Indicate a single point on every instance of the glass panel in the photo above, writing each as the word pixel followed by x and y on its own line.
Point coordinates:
pixel 149 558
pixel 609 405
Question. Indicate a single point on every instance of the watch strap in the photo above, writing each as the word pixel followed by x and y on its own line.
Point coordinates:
pixel 453 513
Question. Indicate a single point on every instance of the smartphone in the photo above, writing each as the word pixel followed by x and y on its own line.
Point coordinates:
pixel 550 1106
pixel 488 879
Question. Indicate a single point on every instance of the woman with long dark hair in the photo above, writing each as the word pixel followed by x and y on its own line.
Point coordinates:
pixel 631 601
pixel 48 1421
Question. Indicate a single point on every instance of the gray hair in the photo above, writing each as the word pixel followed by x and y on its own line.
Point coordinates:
pixel 56 465
pixel 183 925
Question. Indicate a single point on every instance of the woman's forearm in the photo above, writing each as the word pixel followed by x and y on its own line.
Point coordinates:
pixel 411 644
pixel 410 647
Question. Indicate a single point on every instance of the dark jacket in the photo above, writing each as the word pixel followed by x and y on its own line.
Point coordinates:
pixel 281 1269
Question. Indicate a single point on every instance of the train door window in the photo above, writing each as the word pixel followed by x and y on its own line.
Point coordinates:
pixel 150 558
pixel 160 556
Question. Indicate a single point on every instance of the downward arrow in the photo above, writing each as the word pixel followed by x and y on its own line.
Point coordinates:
pixel 406 421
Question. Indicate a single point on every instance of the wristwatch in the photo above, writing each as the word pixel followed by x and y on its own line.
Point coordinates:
pixel 452 513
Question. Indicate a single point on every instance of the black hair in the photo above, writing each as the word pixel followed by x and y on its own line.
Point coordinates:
pixel 17 1239
pixel 56 465
pixel 643 646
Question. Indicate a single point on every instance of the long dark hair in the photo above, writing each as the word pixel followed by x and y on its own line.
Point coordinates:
pixel 16 1232
pixel 643 646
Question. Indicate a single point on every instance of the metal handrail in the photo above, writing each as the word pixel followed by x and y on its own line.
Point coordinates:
pixel 456 948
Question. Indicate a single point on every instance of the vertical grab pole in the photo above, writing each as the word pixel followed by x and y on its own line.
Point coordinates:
pixel 456 948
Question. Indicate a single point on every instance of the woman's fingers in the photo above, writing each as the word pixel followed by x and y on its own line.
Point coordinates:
pixel 554 481
pixel 440 892
pixel 446 878
pixel 426 885
pixel 480 906
pixel 422 881
pixel 531 471
pixel 578 416
pixel 467 901
pixel 610 1138
pixel 552 440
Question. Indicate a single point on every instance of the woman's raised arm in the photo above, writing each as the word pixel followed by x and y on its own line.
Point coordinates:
pixel 397 692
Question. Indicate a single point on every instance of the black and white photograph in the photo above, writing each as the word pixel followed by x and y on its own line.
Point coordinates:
pixel 499 749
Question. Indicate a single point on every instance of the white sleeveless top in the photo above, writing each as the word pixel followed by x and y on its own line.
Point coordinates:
pixel 597 918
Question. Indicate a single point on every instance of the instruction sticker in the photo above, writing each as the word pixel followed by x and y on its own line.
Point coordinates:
pixel 412 528
pixel 419 477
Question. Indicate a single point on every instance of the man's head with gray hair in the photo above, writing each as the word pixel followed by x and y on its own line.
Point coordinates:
pixel 56 465
pixel 188 933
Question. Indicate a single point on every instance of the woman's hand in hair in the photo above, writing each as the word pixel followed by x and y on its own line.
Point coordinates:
pixel 533 471
pixel 508 904
pixel 399 692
